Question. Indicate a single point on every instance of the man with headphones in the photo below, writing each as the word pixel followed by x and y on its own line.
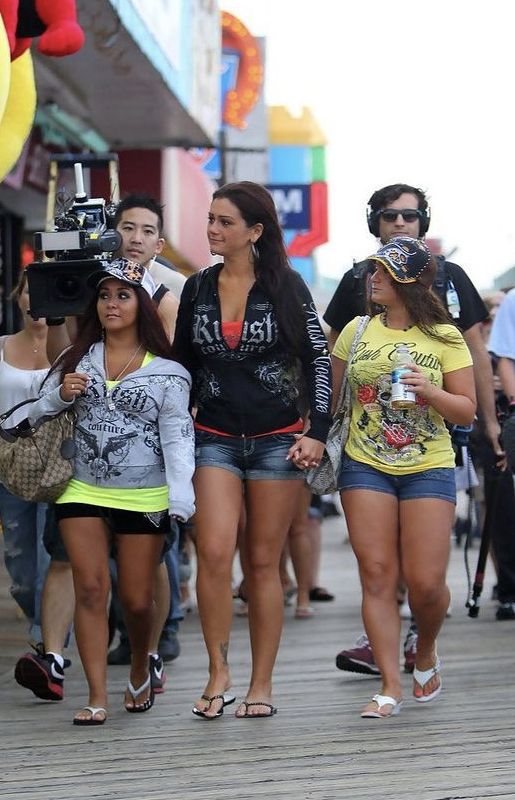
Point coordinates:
pixel 403 210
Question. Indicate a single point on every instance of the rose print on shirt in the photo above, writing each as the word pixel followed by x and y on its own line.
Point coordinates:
pixel 366 394
pixel 395 435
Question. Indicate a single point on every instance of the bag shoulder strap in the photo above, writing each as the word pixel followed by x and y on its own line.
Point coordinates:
pixel 11 411
pixel 360 327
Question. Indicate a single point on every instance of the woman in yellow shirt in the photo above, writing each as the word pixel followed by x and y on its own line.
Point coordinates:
pixel 397 476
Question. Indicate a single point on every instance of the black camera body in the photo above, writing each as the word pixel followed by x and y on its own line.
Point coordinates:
pixel 83 235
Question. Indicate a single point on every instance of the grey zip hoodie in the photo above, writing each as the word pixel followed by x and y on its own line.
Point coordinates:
pixel 136 436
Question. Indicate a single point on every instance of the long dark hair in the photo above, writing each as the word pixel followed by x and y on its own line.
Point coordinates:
pixel 151 333
pixel 272 268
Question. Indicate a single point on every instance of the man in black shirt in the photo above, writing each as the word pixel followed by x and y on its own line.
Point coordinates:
pixel 402 210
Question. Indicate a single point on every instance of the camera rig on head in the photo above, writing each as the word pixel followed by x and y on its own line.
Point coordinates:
pixel 79 235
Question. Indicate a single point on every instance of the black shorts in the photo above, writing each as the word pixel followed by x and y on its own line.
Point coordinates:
pixel 118 520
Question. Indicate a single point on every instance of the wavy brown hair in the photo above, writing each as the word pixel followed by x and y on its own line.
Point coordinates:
pixel 425 310
pixel 151 333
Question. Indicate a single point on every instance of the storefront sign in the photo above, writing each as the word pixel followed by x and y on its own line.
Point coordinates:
pixel 293 205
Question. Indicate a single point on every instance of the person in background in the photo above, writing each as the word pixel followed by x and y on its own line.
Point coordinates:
pixel 23 365
pixel 396 481
pixel 498 485
pixel 247 329
pixel 133 468
pixel 299 547
pixel 403 210
pixel 318 510
pixel 42 669
pixel 492 301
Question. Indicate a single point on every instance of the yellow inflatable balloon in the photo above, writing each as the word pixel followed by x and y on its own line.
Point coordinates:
pixel 18 116
pixel 5 67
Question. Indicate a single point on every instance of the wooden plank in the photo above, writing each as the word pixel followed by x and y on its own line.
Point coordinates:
pixel 317 747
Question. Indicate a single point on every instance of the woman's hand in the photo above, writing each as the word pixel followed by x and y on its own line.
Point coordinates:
pixel 418 381
pixel 305 452
pixel 73 385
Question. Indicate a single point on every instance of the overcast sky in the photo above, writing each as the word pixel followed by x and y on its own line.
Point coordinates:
pixel 419 93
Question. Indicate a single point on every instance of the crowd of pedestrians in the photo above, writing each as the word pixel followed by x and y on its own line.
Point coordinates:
pixel 221 386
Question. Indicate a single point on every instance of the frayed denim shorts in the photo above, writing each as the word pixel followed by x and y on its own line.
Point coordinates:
pixel 250 458
pixel 439 483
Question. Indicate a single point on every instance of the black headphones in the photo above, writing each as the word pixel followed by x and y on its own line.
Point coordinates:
pixel 373 221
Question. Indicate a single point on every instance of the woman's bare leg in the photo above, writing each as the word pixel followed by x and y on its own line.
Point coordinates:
pixel 218 495
pixel 162 604
pixel 271 505
pixel 137 561
pixel 300 548
pixel 372 519
pixel 426 525
pixel 87 544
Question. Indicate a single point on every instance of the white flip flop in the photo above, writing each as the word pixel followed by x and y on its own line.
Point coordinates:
pixel 383 700
pixel 424 676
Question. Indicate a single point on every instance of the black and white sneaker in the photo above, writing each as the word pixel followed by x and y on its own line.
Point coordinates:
pixel 505 611
pixel 157 673
pixel 41 673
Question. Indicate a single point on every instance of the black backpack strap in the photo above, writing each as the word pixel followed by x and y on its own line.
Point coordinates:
pixel 440 281
pixel 159 293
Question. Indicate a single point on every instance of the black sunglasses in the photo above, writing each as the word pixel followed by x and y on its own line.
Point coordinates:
pixel 408 214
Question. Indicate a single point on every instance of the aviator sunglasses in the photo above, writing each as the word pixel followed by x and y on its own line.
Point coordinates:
pixel 408 214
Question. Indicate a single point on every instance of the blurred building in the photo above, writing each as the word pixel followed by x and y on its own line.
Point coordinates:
pixel 283 151
pixel 146 84
pixel 298 184
pixel 176 89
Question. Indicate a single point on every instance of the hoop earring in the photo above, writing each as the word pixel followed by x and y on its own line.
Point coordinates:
pixel 254 251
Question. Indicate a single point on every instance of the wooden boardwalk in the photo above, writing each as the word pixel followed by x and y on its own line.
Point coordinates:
pixel 317 747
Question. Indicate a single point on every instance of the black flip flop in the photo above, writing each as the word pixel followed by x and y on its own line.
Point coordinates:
pixel 320 595
pixel 246 715
pixel 226 699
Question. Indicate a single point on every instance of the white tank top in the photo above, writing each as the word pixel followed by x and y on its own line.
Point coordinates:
pixel 16 385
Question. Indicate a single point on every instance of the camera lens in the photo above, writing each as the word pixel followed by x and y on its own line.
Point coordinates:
pixel 68 287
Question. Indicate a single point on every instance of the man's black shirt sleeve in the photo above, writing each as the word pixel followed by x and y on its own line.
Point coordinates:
pixel 348 300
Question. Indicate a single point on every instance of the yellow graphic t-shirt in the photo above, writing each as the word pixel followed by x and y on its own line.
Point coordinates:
pixel 393 440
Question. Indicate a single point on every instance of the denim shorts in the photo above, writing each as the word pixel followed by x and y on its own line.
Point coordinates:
pixel 250 458
pixel 439 483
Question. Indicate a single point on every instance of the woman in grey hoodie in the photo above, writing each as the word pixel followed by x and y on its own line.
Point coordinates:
pixel 133 468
